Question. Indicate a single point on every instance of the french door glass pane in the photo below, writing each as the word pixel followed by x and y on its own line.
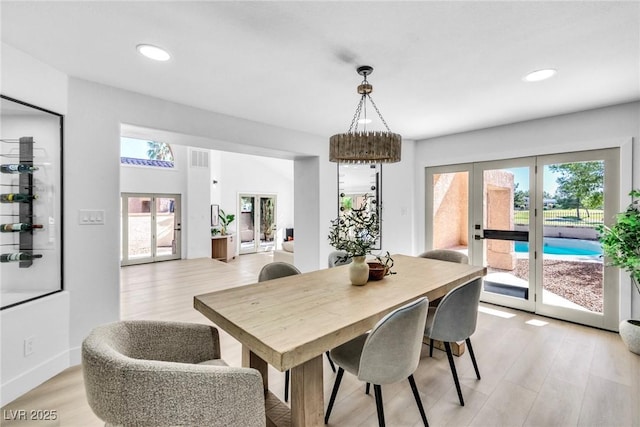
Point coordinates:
pixel 505 214
pixel 247 224
pixel 139 231
pixel 572 272
pixel 165 226
pixel 451 211
pixel 267 222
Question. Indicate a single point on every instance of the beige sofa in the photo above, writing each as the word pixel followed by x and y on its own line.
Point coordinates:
pixel 285 254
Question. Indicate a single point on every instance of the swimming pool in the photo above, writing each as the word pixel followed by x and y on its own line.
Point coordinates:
pixel 558 246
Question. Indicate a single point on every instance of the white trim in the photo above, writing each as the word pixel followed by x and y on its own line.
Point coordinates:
pixel 30 379
pixel 626 185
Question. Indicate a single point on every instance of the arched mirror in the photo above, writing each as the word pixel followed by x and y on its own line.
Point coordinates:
pixel 355 183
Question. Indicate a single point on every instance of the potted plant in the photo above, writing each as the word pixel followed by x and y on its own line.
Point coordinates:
pixel 356 231
pixel 225 221
pixel 621 243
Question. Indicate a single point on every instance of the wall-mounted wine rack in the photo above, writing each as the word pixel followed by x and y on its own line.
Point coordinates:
pixel 31 187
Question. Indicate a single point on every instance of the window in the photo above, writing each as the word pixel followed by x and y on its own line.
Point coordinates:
pixel 142 152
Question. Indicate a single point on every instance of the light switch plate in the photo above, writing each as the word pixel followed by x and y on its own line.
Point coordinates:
pixel 91 217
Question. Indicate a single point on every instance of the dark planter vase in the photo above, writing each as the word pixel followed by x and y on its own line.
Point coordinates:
pixel 377 271
pixel 630 334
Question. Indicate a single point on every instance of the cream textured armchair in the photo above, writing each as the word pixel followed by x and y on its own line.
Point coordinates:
pixel 152 373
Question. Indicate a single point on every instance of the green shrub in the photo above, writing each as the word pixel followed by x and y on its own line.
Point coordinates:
pixel 621 241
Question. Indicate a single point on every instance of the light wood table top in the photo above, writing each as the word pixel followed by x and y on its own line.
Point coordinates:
pixel 290 322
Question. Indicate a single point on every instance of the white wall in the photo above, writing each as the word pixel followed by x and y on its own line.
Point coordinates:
pixel 95 115
pixel 398 204
pixel 241 173
pixel 47 319
pixel 148 179
pixel 616 126
pixel 94 118
pixel 196 225
pixel 215 160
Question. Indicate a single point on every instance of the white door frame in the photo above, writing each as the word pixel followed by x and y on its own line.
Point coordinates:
pixel 256 218
pixel 177 241
pixel 610 317
pixel 614 175
pixel 478 217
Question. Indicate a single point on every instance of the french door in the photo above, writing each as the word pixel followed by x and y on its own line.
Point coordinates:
pixel 257 222
pixel 150 228
pixel 531 221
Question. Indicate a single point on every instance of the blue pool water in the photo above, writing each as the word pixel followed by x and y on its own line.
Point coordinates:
pixel 556 246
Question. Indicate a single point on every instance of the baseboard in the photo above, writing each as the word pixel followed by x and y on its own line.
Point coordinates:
pixel 32 378
pixel 75 356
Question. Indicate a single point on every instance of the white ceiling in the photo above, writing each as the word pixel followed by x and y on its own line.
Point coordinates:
pixel 440 67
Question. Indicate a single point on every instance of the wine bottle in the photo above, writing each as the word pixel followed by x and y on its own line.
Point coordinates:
pixel 17 197
pixel 17 168
pixel 18 226
pixel 19 256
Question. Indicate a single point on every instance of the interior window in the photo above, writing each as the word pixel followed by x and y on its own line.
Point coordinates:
pixel 142 152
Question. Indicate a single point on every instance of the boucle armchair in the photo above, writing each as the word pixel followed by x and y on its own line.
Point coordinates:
pixel 152 373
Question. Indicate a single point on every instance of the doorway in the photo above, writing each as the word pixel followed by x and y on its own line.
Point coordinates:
pixel 531 221
pixel 257 222
pixel 150 228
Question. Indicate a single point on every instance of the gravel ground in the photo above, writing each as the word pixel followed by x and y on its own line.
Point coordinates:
pixel 579 282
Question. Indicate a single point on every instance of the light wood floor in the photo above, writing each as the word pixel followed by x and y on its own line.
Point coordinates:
pixel 533 374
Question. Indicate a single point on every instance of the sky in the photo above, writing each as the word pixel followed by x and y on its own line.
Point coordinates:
pixel 521 177
pixel 134 148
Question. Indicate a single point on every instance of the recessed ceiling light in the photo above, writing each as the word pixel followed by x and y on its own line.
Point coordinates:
pixel 153 52
pixel 539 75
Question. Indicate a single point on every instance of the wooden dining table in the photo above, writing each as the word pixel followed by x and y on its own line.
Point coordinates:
pixel 290 322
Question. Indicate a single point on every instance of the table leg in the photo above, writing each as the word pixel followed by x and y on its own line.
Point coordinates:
pixel 277 413
pixel 250 360
pixel 307 394
pixel 457 348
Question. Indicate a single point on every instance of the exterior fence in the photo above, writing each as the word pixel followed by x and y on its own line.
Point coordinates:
pixel 564 217
pixel 564 223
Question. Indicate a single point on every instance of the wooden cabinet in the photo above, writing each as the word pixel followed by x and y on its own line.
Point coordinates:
pixel 223 248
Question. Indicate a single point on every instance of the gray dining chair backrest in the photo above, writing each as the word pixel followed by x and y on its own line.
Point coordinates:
pixel 456 317
pixel 391 351
pixel 275 270
pixel 446 255
pixel 337 258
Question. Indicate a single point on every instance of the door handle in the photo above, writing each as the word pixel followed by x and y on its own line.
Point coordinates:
pixel 478 237
pixel 517 236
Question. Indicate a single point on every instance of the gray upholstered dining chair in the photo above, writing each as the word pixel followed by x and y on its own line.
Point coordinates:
pixel 337 258
pixel 455 320
pixel 389 353
pixel 153 373
pixel 446 255
pixel 275 270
